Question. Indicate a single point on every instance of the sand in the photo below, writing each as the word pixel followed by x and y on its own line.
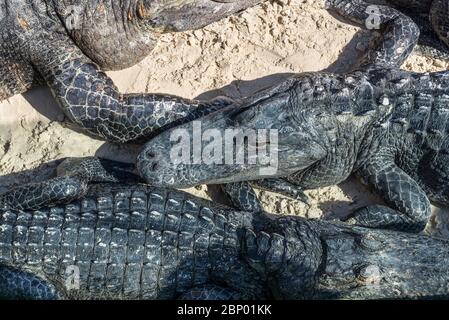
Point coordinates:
pixel 233 57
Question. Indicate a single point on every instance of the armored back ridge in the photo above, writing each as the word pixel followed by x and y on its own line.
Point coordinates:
pixel 128 243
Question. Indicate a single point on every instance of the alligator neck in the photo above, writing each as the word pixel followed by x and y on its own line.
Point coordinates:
pixel 363 263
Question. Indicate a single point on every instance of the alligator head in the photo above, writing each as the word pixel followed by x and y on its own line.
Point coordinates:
pixel 220 147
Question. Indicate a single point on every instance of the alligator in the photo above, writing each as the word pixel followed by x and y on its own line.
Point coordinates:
pixel 385 124
pixel 131 241
pixel 68 44
pixel 89 97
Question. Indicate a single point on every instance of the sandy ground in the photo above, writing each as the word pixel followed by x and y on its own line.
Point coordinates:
pixel 233 57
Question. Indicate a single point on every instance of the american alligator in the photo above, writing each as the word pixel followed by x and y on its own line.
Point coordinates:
pixel 68 44
pixel 130 241
pixel 388 125
pixel 90 98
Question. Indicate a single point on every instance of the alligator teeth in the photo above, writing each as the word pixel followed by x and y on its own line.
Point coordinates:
pixel 385 101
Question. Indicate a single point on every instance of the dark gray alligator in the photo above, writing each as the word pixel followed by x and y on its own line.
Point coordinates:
pixel 131 241
pixel 388 125
pixel 68 44
pixel 430 16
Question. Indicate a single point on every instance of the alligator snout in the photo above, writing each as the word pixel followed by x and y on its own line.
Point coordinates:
pixel 156 167
pixel 147 163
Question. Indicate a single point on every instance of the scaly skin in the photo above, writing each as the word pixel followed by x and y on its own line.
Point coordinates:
pixel 434 10
pixel 430 15
pixel 68 44
pixel 389 126
pixel 137 242
pixel 128 243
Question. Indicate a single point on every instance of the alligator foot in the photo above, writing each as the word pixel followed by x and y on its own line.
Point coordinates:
pixel 22 285
pixel 74 175
pixel 243 197
pixel 398 33
pixel 211 292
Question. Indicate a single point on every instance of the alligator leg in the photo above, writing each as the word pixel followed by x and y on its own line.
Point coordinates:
pixel 22 285
pixel 243 197
pixel 411 207
pixel 398 33
pixel 210 293
pixel 72 183
pixel 439 13
pixel 90 99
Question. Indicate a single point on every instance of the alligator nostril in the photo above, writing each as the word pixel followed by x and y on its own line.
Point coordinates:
pixel 154 166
